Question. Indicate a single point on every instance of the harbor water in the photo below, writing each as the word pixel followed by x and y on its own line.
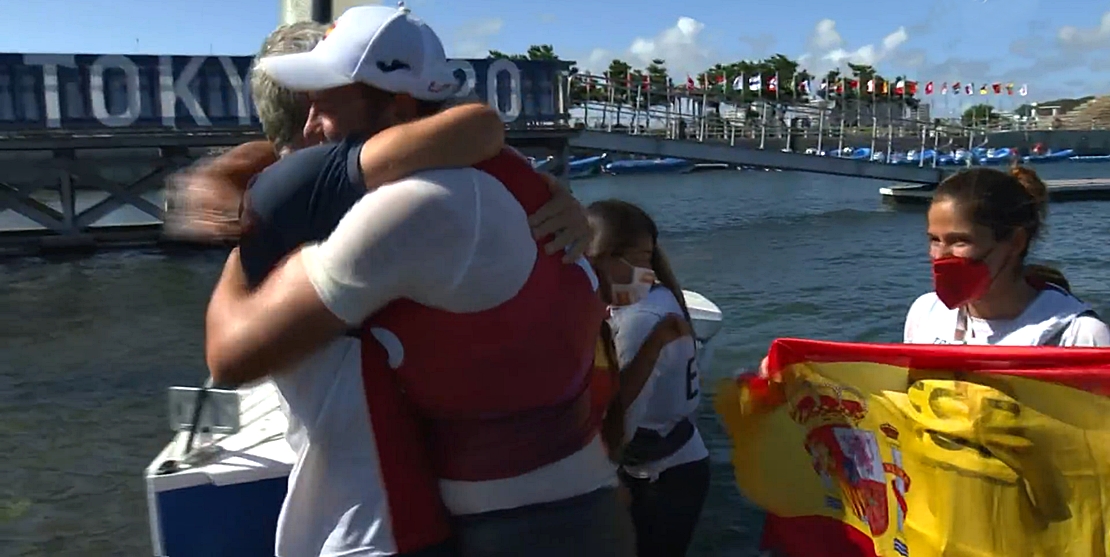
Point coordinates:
pixel 88 345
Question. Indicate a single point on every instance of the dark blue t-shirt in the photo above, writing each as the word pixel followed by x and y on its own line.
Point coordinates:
pixel 297 200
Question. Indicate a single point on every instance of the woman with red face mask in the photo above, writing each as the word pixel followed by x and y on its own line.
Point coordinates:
pixel 981 224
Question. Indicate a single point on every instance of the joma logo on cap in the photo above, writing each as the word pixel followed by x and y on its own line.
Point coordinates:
pixel 435 87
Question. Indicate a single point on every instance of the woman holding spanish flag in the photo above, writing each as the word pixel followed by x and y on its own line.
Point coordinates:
pixel 664 464
pixel 981 224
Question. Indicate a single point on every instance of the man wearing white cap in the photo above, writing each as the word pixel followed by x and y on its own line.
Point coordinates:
pixel 491 339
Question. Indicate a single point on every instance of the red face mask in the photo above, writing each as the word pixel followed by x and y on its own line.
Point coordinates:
pixel 959 280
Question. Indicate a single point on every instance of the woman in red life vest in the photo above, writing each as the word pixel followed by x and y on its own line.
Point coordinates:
pixel 664 464
pixel 981 224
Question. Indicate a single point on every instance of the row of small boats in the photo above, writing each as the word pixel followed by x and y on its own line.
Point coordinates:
pixel 596 165
pixel 978 156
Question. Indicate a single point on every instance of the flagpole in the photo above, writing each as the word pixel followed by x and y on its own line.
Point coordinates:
pixel 889 122
pixel 874 117
pixel 859 105
pixel 667 86
pixel 763 114
pixel 605 113
pixel 912 90
pixel 840 105
pixel 970 132
pixel 936 139
pixel 793 103
pixel 778 107
pixel 823 107
pixel 742 89
pixel 636 106
pixel 704 106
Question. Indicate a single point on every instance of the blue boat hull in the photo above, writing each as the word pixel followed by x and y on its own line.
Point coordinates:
pixel 586 167
pixel 234 520
pixel 1059 156
pixel 657 166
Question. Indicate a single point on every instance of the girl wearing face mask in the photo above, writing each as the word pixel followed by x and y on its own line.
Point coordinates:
pixel 981 224
pixel 665 464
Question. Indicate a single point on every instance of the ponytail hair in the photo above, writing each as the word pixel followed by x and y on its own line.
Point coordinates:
pixel 663 272
pixel 1042 275
pixel 1034 186
pixel 1038 275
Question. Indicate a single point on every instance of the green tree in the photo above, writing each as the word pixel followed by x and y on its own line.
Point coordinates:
pixel 542 52
pixel 659 80
pixel 978 115
pixel 499 54
pixel 617 74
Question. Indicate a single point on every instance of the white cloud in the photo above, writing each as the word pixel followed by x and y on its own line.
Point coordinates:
pixel 1090 38
pixel 680 45
pixel 827 49
pixel 471 40
pixel 825 37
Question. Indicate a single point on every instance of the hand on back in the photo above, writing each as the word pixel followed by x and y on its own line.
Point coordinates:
pixel 205 198
pixel 565 218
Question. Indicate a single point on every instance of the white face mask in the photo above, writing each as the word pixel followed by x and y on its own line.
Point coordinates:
pixel 628 294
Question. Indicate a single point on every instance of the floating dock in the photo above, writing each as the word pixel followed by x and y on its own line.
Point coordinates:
pixel 1084 189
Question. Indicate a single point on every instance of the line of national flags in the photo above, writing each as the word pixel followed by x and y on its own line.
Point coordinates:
pixel 770 83
pixel 996 88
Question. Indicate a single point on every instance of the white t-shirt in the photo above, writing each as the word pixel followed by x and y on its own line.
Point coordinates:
pixel 1053 311
pixel 330 431
pixel 673 391
pixel 455 240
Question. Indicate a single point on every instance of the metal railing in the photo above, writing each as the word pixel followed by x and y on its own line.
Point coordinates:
pixel 811 127
pixel 796 124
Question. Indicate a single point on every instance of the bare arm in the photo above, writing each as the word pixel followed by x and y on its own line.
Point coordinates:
pixel 636 374
pixel 241 326
pixel 241 163
pixel 397 242
pixel 206 196
pixel 459 136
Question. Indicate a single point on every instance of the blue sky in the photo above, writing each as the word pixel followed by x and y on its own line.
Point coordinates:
pixel 1059 48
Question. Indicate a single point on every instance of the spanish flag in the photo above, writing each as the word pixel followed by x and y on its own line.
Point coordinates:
pixel 924 450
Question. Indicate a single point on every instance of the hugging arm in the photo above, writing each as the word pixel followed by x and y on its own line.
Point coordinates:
pixel 462 135
pixel 401 241
pixel 465 135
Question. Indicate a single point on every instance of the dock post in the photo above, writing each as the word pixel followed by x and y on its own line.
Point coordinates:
pixel 921 158
pixel 66 195
pixel 936 143
pixel 821 126
pixel 874 127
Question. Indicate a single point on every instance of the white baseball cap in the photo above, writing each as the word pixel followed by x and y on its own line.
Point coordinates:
pixel 380 46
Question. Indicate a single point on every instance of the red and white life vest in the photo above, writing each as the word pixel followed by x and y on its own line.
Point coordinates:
pixel 501 391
